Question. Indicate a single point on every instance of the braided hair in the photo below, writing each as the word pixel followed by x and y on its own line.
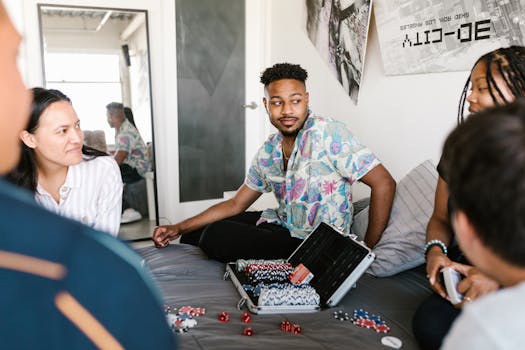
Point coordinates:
pixel 509 62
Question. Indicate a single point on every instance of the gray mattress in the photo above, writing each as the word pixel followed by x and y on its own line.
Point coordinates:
pixel 187 277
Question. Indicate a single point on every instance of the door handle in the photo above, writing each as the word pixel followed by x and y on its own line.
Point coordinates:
pixel 252 105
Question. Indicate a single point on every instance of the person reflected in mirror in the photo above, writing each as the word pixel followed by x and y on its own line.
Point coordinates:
pixel 129 116
pixel 63 285
pixel 66 176
pixel 132 157
pixel 310 165
pixel 485 158
pixel 497 78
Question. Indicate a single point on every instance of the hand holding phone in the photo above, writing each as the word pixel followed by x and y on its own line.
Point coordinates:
pixel 451 278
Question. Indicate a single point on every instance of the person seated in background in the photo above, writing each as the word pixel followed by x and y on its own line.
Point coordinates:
pixel 63 285
pixel 66 176
pixel 132 157
pixel 497 78
pixel 485 158
pixel 310 165
pixel 129 116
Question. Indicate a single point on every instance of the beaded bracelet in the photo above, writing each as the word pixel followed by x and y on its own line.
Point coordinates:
pixel 437 242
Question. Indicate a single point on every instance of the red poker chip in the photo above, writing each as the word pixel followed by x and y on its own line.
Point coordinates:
pixel 361 322
pixel 369 323
pixel 382 328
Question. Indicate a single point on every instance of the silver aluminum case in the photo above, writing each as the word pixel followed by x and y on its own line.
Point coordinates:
pixel 335 297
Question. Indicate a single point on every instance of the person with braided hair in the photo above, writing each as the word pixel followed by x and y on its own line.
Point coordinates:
pixel 497 78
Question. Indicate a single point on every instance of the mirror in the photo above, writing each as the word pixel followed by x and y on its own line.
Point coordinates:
pixel 97 56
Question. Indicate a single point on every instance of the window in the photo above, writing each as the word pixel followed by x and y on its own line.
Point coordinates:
pixel 91 81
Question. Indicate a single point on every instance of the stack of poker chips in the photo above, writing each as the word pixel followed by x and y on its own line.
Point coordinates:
pixel 287 294
pixel 242 263
pixel 361 318
pixel 341 315
pixel 268 273
pixel 254 289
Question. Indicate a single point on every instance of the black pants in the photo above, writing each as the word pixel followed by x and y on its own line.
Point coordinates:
pixel 238 237
pixel 129 174
pixel 434 317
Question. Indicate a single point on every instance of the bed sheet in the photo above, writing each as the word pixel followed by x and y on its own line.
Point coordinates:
pixel 186 276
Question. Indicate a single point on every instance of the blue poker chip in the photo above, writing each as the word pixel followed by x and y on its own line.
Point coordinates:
pixel 377 319
pixel 360 313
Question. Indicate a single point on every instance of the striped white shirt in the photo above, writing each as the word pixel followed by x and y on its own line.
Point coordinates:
pixel 91 194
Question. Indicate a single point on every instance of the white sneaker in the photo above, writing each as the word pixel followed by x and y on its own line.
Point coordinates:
pixel 130 215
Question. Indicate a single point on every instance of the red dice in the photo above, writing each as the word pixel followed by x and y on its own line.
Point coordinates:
pixel 286 326
pixel 248 331
pixel 224 316
pixel 245 317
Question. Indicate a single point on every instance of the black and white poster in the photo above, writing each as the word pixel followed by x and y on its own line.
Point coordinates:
pixel 423 36
pixel 339 31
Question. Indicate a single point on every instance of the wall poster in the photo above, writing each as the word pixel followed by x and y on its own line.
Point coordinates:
pixel 339 31
pixel 423 36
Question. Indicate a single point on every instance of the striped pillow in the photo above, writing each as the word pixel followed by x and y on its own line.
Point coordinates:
pixel 401 246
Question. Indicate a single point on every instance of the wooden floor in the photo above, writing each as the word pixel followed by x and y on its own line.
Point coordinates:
pixel 138 230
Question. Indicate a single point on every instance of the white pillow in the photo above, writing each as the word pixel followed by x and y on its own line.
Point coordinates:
pixel 401 246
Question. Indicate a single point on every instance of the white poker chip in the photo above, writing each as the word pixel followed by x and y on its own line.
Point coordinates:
pixel 392 342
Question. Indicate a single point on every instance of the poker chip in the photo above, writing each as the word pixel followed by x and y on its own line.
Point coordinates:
pixel 377 319
pixel 363 319
pixel 180 330
pixel 360 313
pixel 382 328
pixel 341 315
pixel 392 342
pixel 288 294
pixel 365 323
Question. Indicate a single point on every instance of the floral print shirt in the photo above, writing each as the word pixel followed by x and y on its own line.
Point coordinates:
pixel 316 187
pixel 129 140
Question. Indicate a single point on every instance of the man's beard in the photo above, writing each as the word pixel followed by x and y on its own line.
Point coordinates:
pixel 293 133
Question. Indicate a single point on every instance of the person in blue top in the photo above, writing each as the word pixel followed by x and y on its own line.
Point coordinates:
pixel 310 165
pixel 63 285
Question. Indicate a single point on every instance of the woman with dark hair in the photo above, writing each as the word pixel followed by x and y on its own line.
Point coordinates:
pixel 67 177
pixel 129 116
pixel 497 78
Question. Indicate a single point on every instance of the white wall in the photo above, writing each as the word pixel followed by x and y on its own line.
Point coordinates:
pixel 404 119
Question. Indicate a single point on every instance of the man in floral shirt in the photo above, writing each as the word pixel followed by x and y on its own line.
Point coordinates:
pixel 130 150
pixel 132 157
pixel 309 165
